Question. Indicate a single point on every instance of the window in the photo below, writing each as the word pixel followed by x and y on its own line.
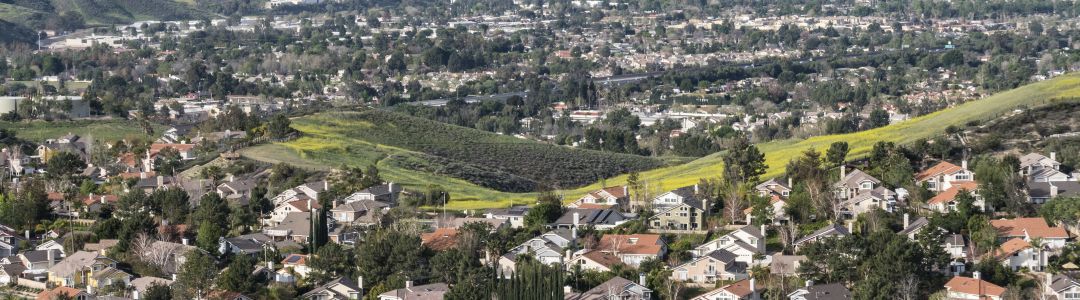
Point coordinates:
pixel 962 177
pixel 1072 295
pixel 867 185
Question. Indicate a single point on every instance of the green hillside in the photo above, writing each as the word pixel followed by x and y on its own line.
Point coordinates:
pixel 419 151
pixel 14 33
pixel 333 141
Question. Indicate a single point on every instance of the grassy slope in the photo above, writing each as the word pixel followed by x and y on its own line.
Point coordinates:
pixel 777 153
pixel 112 130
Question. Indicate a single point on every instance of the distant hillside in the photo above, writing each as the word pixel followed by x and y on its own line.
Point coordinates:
pixel 40 14
pixel 15 33
pixel 401 144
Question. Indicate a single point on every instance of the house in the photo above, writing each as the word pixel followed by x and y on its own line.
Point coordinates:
pixel 1017 253
pixel 362 212
pixel 514 214
pixel 172 255
pixel 10 250
pixel 785 265
pixel 867 201
pixel 1062 286
pixel 680 209
pixel 973 288
pixel 38 262
pixel 93 203
pixel 853 184
pixel 833 291
pixel 744 289
pixel 714 266
pixel 601 219
pixel 439 240
pixel 433 291
pixel 746 243
pixel 141 284
pixel 616 288
pixel 385 193
pixel 955 245
pixel 236 191
pixel 774 187
pixel 610 196
pixel 341 288
pixel 10 273
pixel 1040 192
pixel 1029 229
pixel 80 267
pixel 778 213
pixel 305 191
pixel 913 228
pixel 249 244
pixel 833 230
pixel 633 249
pixel 295 226
pixel 68 143
pixel 293 266
pixel 945 201
pixel 547 249
pixel 109 276
pixel 63 292
pixel 1049 175
pixel 941 176
pixel 187 151
pixel 295 206
pixel 1032 162
pixel 599 261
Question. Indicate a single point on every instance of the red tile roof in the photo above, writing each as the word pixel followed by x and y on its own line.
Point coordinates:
pixel 441 239
pixel 974 286
pixel 742 288
pixel 1011 246
pixel 950 194
pixel 1034 227
pixel 940 168
pixel 97 198
pixel 603 258
pixel 57 292
pixel 643 244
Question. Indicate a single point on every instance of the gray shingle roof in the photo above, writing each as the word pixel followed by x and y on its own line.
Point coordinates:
pixel 833 291
pixel 1042 189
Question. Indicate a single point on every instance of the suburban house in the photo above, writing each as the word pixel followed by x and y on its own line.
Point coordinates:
pixel 1029 229
pixel 79 267
pixel 173 255
pixel 341 288
pixel 854 183
pixel 955 245
pixel 236 191
pixel 973 288
pixel 633 249
pixel 599 261
pixel 610 197
pixel 744 289
pixel 296 206
pixel 833 230
pixel 10 273
pixel 362 212
pixel 913 228
pixel 1032 163
pixel 714 266
pixel 1040 192
pixel 296 227
pixel 945 201
pixel 252 244
pixel 141 284
pixel 515 214
pixel 779 216
pixel 305 191
pixel 67 143
pixel 615 288
pixel 601 219
pixel 832 291
pixel 867 201
pixel 385 193
pixel 293 266
pixel 547 249
pixel 441 239
pixel 680 209
pixel 773 187
pixel 431 291
pixel 746 243
pixel 38 262
pixel 63 292
pixel 1063 287
pixel 941 176
pixel 785 265
pixel 1017 253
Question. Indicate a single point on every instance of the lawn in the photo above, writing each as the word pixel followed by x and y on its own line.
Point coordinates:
pixel 324 147
pixel 102 130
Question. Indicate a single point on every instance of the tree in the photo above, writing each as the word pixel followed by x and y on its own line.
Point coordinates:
pixel 168 161
pixel 743 162
pixel 547 210
pixel 157 292
pixel 391 252
pixel 330 262
pixel 195 277
pixel 278 127
pixel 237 276
pixel 208 236
pixel 64 163
pixel 878 118
pixel 837 153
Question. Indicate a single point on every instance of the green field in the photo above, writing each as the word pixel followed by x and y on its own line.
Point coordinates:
pixel 324 147
pixel 111 130
pixel 474 164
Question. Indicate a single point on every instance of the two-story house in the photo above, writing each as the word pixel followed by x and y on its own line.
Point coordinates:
pixel 78 268
pixel 547 248
pixel 385 193
pixel 680 209
pixel 941 176
pixel 746 243
pixel 616 196
pixel 712 267
pixel 633 249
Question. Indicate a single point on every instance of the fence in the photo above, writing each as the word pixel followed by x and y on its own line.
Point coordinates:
pixel 32 284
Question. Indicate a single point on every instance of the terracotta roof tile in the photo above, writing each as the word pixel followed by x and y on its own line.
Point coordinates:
pixel 940 168
pixel 441 239
pixel 632 243
pixel 950 194
pixel 974 287
pixel 1033 227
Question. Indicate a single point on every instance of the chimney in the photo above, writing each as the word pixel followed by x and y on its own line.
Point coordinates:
pixel 135 294
pixel 309 204
pixel 360 283
pixel 809 283
pixel 843 172
pixel 90 289
pixel 160 180
pixel 976 275
pixel 184 241
pixel 963 164
pixel 573 230
pixel 173 277
pixel 1053 156
pixel 790 183
pixel 50 256
pixel 142 175
pixel 641 279
pixel 269 265
pixel 567 290
pixel 850 226
pixel 326 185
pixel 27 233
pixel 907 220
pixel 626 191
pixel 696 189
pixel 753 287
pixel 232 178
pixel 1053 190
pixel 764 236
pixel 391 187
pixel 408 283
